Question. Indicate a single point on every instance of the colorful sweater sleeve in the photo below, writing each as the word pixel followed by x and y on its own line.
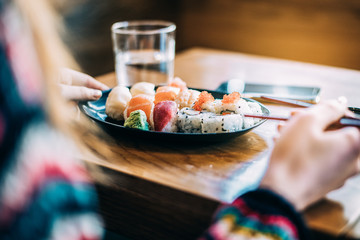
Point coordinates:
pixel 259 214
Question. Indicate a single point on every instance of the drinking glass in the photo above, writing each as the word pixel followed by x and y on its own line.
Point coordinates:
pixel 144 51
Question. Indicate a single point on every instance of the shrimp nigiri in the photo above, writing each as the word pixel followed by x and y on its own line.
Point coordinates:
pixel 177 82
pixel 187 98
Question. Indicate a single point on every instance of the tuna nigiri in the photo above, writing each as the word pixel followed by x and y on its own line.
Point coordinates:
pixel 165 116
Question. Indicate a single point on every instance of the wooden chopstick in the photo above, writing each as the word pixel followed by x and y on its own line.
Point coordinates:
pixel 287 101
pixel 267 117
pixel 343 122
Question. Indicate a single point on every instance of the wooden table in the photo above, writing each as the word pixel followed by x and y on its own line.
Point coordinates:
pixel 157 190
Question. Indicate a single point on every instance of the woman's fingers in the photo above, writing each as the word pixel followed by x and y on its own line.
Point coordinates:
pixel 280 126
pixel 71 77
pixel 82 79
pixel 327 113
pixel 347 140
pixel 80 86
pixel 296 112
pixel 79 92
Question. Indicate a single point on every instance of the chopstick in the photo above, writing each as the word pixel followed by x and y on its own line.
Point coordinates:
pixel 287 101
pixel 267 117
pixel 343 122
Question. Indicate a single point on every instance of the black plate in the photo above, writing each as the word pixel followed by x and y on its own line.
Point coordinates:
pixel 96 111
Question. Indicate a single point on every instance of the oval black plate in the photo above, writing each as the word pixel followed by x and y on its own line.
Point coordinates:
pixel 96 111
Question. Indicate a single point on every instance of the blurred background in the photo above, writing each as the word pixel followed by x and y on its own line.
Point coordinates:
pixel 316 31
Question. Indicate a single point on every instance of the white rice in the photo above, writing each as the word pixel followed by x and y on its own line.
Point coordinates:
pixel 221 124
pixel 218 106
pixel 189 121
pixel 244 107
pixel 171 126
pixel 256 109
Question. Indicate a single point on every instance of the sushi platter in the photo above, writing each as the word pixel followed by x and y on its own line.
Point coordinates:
pixel 169 122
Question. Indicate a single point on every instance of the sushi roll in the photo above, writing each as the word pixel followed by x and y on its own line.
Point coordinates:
pixel 178 82
pixel 117 101
pixel 205 102
pixel 143 88
pixel 256 109
pixel 190 120
pixel 138 120
pixel 141 102
pixel 217 106
pixel 235 104
pixel 221 123
pixel 166 93
pixel 165 116
pixel 187 98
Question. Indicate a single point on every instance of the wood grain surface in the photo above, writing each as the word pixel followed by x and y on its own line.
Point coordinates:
pixel 157 190
pixel 322 32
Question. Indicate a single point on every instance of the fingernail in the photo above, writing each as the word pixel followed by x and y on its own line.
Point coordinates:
pixel 97 93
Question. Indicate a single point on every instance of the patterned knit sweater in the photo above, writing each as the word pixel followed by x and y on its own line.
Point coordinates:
pixel 260 214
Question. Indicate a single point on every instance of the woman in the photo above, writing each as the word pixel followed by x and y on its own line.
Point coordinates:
pixel 46 192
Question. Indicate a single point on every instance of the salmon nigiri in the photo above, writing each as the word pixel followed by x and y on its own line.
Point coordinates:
pixel 166 93
pixel 141 102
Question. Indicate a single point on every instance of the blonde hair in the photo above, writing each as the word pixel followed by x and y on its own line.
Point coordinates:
pixel 45 25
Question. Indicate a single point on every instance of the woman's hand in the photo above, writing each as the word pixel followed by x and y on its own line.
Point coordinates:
pixel 308 160
pixel 80 86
